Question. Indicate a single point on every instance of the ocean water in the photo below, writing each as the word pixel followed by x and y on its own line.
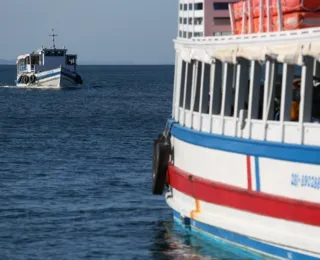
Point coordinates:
pixel 75 175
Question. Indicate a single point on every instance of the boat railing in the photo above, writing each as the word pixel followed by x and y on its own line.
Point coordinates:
pixel 254 38
pixel 224 98
pixel 273 131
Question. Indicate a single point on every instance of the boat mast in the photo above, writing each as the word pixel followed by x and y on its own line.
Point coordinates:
pixel 53 35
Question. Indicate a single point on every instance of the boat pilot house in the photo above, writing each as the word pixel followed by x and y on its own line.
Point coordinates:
pixel 47 59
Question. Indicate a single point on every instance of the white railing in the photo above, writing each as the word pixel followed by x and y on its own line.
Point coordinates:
pixel 257 38
pixel 253 129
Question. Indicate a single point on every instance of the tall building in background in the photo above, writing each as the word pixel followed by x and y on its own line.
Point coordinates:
pixel 199 18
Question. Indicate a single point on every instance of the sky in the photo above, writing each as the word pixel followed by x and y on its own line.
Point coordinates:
pixel 99 31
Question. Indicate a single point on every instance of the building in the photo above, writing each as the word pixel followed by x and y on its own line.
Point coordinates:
pixel 199 18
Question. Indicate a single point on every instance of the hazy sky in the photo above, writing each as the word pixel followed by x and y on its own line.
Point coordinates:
pixel 99 31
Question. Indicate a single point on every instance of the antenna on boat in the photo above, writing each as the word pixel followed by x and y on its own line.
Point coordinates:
pixel 53 35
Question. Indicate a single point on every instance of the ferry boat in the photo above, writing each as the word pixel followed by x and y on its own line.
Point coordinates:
pixel 239 158
pixel 48 67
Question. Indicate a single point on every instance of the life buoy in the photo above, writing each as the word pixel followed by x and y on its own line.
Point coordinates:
pixel 161 152
pixel 33 79
pixel 19 79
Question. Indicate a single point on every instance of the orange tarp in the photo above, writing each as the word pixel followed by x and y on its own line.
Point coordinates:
pixel 291 21
pixel 288 6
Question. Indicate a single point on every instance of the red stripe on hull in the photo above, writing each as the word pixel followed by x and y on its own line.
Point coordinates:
pixel 241 199
pixel 249 173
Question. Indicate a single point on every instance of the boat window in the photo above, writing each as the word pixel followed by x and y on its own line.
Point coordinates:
pixel 204 93
pixel 71 59
pixel 292 93
pixel 35 60
pixel 28 60
pixel 188 85
pixel 21 62
pixel 182 82
pixel 195 98
pixel 54 53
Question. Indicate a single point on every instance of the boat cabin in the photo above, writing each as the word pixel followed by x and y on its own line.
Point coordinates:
pixel 46 59
pixel 234 86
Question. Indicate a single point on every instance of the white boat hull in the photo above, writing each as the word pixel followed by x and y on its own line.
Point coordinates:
pixel 241 199
pixel 57 78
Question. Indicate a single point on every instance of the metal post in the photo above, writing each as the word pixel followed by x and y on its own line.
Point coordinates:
pixel 286 96
pixel 279 7
pixel 254 93
pixel 244 17
pixel 268 16
pixel 261 29
pixel 231 13
pixel 215 90
pixel 250 16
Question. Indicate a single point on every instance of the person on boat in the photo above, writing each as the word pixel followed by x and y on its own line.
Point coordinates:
pixel 295 99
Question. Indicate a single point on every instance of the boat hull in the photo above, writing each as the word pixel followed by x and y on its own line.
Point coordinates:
pixel 227 188
pixel 58 78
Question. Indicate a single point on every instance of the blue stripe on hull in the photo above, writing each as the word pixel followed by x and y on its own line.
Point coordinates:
pixel 48 75
pixel 55 74
pixel 274 150
pixel 244 241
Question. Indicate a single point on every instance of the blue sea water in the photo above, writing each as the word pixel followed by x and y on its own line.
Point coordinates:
pixel 75 175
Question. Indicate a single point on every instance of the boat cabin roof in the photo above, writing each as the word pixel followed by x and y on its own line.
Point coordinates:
pixel 53 52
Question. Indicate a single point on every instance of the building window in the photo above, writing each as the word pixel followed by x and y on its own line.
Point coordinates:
pixel 185 7
pixel 221 21
pixel 220 6
pixel 180 20
pixel 180 34
pixel 184 20
pixel 198 21
pixel 198 6
pixel 181 6
pixel 198 34
pixel 190 20
pixel 190 6
pixel 184 34
pixel 190 35
pixel 221 33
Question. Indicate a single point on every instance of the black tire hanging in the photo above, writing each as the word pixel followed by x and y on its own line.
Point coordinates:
pixel 161 152
pixel 33 79
pixel 26 79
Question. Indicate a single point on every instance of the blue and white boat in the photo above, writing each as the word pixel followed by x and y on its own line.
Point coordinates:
pixel 239 159
pixel 48 67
